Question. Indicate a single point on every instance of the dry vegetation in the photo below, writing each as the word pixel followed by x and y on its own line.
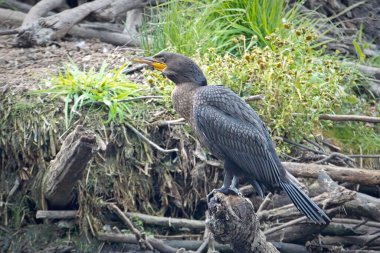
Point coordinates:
pixel 146 160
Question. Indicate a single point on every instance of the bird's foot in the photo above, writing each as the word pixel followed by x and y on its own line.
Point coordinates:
pixel 225 191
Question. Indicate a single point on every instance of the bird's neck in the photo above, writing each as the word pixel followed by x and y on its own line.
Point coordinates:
pixel 182 98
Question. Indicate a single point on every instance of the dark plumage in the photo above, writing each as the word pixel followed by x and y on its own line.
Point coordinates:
pixel 232 131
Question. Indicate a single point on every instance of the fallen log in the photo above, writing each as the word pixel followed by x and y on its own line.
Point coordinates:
pixel 290 247
pixel 233 220
pixel 368 70
pixel 15 18
pixel 362 240
pixel 68 167
pixel 67 214
pixel 117 7
pixel 298 228
pixel 165 245
pixel 40 31
pixel 168 221
pixel 361 205
pixel 311 170
pixel 340 174
pixel 140 237
pixel 330 199
pixel 15 5
pixel 38 10
pixel 124 238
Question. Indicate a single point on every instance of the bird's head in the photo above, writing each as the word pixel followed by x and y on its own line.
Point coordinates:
pixel 178 68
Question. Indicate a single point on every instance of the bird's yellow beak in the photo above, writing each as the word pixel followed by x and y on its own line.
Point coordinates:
pixel 157 65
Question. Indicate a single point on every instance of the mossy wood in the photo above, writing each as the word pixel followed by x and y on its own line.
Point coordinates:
pixel 233 220
pixel 68 167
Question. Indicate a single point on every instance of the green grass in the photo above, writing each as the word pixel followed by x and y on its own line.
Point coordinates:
pixel 234 26
pixel 176 26
pixel 101 89
pixel 374 61
pixel 355 138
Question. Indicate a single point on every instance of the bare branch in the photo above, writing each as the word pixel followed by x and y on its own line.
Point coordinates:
pixel 139 236
pixel 349 118
pixel 149 141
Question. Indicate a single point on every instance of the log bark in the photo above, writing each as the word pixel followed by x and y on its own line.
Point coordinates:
pixel 290 247
pixel 233 220
pixel 15 18
pixel 40 31
pixel 310 170
pixel 16 5
pixel 9 17
pixel 340 174
pixel 68 214
pixel 38 10
pixel 328 200
pixel 298 229
pixel 140 237
pixel 167 221
pixel 117 7
pixel 157 244
pixel 133 21
pixel 362 240
pixel 361 205
pixel 68 167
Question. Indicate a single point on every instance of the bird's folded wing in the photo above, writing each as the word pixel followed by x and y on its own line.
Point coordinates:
pixel 238 140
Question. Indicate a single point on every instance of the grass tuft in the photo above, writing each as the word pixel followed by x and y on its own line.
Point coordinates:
pixel 101 89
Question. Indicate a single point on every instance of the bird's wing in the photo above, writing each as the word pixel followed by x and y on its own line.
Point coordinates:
pixel 237 132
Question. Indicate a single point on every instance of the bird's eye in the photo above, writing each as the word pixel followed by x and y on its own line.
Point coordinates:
pixel 161 59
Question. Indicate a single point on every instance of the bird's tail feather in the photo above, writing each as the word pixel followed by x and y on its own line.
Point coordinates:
pixel 304 204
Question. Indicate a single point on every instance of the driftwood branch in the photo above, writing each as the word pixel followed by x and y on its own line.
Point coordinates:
pixel 144 138
pixel 40 31
pixel 67 214
pixel 39 10
pixel 168 222
pixel 233 220
pixel 15 18
pixel 330 199
pixel 124 238
pixel 368 70
pixel 141 238
pixel 340 174
pixel 15 5
pixel 349 118
pixel 310 170
pixel 361 205
pixel 254 98
pixel 117 7
pixel 299 228
pixel 68 167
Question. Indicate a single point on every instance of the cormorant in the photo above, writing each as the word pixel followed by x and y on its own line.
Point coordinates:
pixel 232 131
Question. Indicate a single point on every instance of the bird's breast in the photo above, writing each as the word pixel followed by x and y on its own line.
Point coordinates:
pixel 182 99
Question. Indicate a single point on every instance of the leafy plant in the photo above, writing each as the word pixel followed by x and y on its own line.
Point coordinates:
pixel 97 89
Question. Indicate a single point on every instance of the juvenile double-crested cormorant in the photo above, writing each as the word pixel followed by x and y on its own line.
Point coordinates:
pixel 232 131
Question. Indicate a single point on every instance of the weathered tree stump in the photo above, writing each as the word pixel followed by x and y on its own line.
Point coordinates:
pixel 233 220
pixel 68 166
